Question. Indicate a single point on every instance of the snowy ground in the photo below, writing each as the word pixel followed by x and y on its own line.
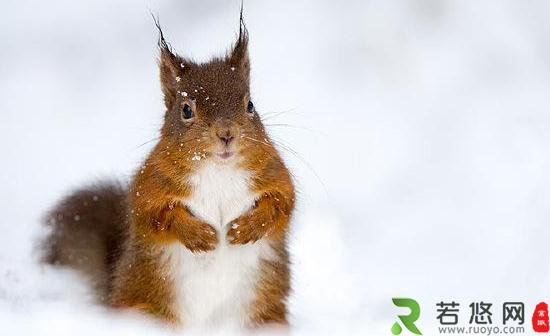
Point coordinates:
pixel 422 131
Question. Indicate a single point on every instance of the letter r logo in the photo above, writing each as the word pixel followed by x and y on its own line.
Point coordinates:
pixel 407 320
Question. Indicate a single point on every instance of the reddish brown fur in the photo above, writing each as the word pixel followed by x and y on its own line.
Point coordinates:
pixel 218 92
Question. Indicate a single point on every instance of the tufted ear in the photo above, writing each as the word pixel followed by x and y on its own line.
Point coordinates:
pixel 239 55
pixel 172 68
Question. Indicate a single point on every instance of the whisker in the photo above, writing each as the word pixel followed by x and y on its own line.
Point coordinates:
pixel 278 143
pixel 270 115
pixel 293 126
pixel 256 140
pixel 148 141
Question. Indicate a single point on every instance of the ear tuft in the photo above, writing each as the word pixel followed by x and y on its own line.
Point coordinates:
pixel 239 54
pixel 171 66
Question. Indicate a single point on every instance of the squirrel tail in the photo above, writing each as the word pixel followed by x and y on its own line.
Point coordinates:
pixel 87 230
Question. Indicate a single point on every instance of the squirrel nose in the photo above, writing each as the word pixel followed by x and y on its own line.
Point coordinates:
pixel 225 136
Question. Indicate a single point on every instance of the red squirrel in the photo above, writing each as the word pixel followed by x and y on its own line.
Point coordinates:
pixel 199 238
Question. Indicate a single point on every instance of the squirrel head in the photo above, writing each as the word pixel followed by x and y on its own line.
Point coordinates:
pixel 209 110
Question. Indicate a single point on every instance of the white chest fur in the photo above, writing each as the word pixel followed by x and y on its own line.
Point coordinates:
pixel 221 194
pixel 216 288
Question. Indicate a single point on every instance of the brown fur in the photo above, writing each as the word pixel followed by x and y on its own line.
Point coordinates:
pixel 87 229
pixel 218 92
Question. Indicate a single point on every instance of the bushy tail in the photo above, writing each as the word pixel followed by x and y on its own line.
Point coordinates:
pixel 88 228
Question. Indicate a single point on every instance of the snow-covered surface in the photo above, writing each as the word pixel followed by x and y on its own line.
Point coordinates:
pixel 422 133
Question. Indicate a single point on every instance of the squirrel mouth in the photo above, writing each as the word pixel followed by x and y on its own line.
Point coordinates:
pixel 225 155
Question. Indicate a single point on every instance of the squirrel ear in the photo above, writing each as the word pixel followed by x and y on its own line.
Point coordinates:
pixel 239 54
pixel 170 66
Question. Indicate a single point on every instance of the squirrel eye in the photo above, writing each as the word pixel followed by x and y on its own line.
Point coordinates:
pixel 187 112
pixel 250 107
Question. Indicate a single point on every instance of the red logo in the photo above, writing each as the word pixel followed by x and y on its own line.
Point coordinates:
pixel 540 318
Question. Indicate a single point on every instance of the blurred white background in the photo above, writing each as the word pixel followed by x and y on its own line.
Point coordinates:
pixel 421 131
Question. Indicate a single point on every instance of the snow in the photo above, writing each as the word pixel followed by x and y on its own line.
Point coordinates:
pixel 423 171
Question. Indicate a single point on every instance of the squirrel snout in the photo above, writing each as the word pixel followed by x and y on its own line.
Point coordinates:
pixel 226 137
pixel 226 132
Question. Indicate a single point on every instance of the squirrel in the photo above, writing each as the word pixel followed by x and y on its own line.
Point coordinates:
pixel 199 237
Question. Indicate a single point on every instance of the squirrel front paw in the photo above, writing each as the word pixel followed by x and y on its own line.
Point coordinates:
pixel 201 237
pixel 243 232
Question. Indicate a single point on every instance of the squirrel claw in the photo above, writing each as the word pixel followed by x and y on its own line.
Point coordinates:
pixel 203 240
pixel 236 235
